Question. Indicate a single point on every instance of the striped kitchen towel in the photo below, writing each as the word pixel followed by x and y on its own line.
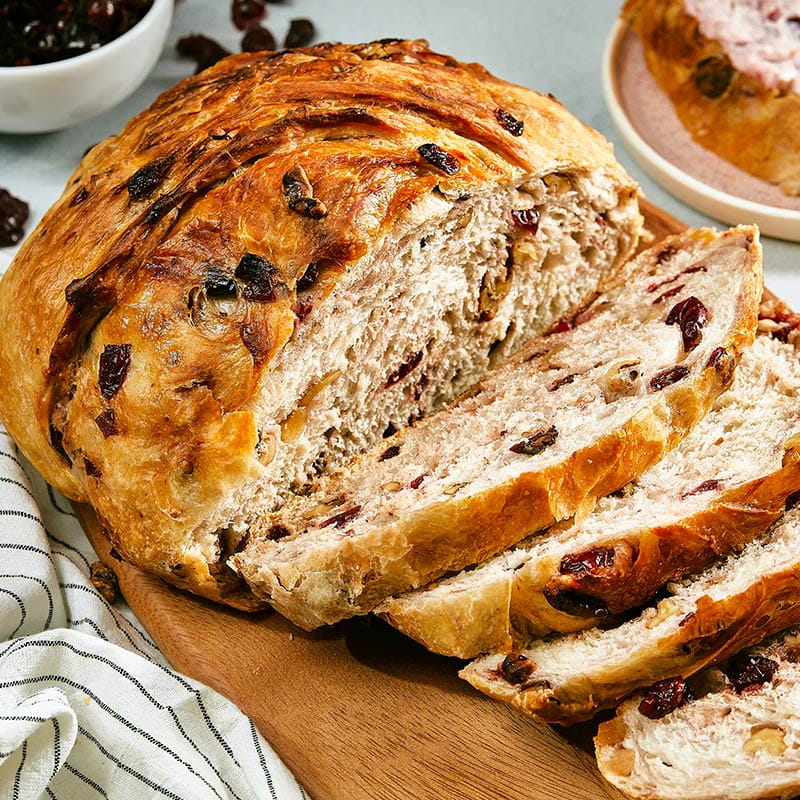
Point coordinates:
pixel 88 706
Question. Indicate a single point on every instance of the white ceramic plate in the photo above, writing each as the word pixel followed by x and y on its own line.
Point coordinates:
pixel 656 138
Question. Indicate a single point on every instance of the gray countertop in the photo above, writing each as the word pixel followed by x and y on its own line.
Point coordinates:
pixel 551 47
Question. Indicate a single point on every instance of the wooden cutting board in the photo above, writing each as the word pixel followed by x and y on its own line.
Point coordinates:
pixel 357 711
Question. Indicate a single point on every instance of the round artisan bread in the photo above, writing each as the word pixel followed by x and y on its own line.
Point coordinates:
pixel 732 72
pixel 279 260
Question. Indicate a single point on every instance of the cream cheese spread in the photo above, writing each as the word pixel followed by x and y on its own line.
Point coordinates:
pixel 761 37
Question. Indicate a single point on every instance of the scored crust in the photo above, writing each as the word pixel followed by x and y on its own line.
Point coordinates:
pixel 754 127
pixel 228 189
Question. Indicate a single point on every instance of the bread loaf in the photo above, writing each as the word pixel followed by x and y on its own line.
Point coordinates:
pixel 701 621
pixel 719 488
pixel 739 740
pixel 280 260
pixel 542 438
pixel 732 71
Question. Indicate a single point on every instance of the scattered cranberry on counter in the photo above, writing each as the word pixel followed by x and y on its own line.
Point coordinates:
pixel 246 13
pixel 13 215
pixel 203 50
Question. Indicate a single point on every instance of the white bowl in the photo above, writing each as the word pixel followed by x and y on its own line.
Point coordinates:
pixel 48 97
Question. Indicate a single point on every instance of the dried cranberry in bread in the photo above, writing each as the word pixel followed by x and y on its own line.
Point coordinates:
pixel 739 740
pixel 732 71
pixel 278 260
pixel 719 488
pixel 542 438
pixel 702 620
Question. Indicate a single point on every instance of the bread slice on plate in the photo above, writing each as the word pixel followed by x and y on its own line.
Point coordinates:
pixel 739 740
pixel 576 415
pixel 701 620
pixel 719 488
pixel 732 72
pixel 279 260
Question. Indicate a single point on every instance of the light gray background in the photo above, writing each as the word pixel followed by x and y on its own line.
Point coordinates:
pixel 550 46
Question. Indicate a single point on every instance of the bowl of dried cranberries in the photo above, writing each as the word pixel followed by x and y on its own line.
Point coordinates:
pixel 64 61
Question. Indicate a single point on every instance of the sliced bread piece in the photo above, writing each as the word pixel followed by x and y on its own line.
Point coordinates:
pixel 739 741
pixel 701 621
pixel 721 487
pixel 539 440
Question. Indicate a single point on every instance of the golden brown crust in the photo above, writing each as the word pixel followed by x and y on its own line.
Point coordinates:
pixel 755 128
pixel 115 277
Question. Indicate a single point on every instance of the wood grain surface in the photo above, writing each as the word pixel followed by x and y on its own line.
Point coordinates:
pixel 358 711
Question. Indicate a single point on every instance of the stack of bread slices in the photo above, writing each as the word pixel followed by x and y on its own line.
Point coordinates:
pixel 637 463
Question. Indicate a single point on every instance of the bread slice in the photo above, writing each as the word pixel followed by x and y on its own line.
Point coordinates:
pixel 700 621
pixel 739 741
pixel 539 440
pixel 718 489
pixel 279 260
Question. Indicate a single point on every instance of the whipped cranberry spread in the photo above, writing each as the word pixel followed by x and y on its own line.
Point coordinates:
pixel 761 37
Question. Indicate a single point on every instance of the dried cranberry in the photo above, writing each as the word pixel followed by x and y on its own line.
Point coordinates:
pixel 666 254
pixel 107 422
pixel 278 532
pixel 13 215
pixel 309 277
pixel 302 310
pixel 663 697
pixel 101 13
pixel 667 378
pixel 706 486
pixel 517 668
pixel 218 283
pixel 148 178
pixel 337 520
pixel 513 125
pixel 389 452
pixel 747 671
pixel 79 197
pixel 92 470
pixel 712 76
pixel 114 363
pixel 404 369
pixel 203 50
pixel 717 357
pixel 537 442
pixel 257 39
pixel 246 13
pixel 576 604
pixel 527 218
pixel 562 382
pixel 669 293
pixel 691 316
pixel 261 278
pixel 441 159
pixel 417 482
pixel 588 561
pixel 301 33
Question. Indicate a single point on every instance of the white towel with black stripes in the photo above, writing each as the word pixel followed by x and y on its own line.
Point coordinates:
pixel 88 705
